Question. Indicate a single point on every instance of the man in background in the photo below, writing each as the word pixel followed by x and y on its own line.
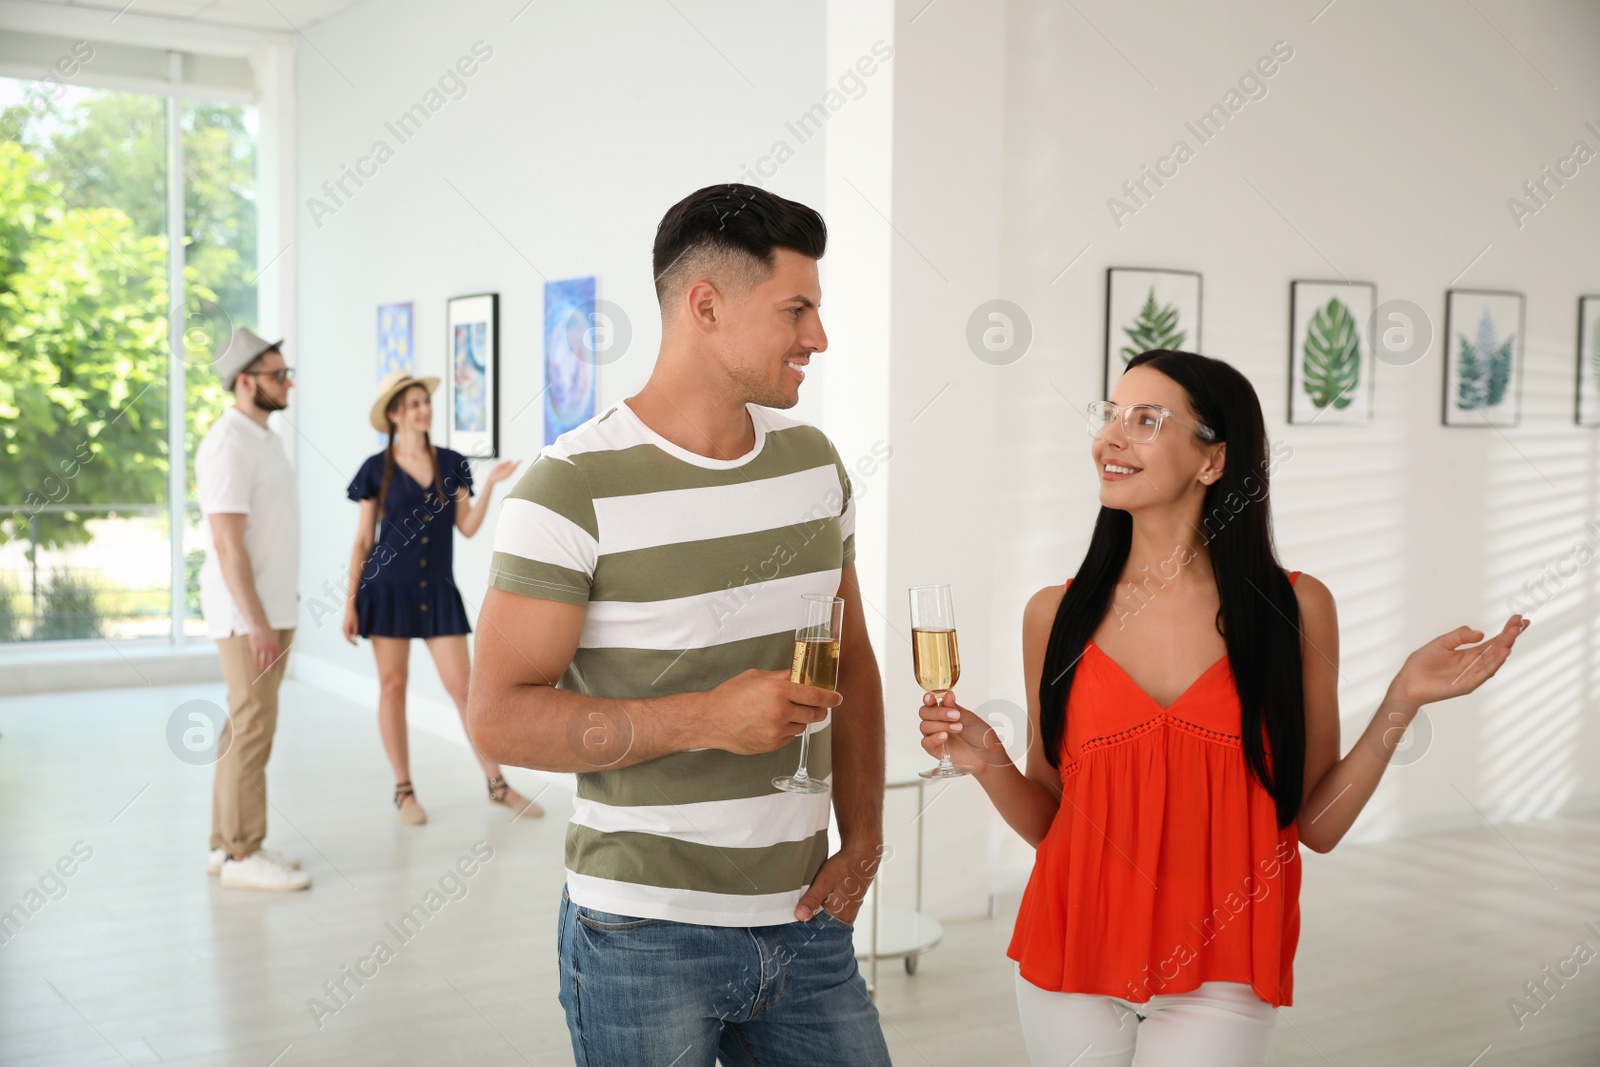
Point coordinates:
pixel 247 595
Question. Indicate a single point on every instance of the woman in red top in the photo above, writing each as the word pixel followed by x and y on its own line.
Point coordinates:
pixel 1184 694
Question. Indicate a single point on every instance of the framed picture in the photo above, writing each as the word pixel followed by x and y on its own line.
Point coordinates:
pixel 569 357
pixel 396 344
pixel 1589 361
pixel 1483 358
pixel 1331 361
pixel 1148 309
pixel 472 400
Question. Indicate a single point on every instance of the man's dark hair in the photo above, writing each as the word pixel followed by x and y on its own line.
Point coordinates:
pixel 728 232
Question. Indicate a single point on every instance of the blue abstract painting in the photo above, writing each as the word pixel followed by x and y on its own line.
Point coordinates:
pixel 471 377
pixel 569 358
pixel 396 350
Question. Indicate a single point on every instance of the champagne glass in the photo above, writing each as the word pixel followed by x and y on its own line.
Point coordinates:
pixel 935 656
pixel 816 662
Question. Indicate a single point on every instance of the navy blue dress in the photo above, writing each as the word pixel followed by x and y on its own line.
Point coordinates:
pixel 408 586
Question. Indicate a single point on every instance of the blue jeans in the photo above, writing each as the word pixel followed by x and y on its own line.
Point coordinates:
pixel 656 993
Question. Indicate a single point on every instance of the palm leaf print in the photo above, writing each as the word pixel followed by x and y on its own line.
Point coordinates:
pixel 1332 363
pixel 1154 327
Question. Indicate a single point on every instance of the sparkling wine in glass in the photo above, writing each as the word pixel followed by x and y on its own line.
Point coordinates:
pixel 816 662
pixel 935 656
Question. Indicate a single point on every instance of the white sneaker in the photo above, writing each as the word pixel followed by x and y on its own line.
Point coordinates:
pixel 215 858
pixel 257 872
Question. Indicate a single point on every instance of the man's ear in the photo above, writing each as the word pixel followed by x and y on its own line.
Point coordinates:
pixel 704 304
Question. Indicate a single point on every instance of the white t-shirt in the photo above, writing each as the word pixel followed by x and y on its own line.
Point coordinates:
pixel 241 468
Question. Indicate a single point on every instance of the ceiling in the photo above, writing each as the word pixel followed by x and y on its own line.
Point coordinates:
pixel 284 15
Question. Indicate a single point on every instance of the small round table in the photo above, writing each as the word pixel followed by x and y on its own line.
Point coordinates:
pixel 887 932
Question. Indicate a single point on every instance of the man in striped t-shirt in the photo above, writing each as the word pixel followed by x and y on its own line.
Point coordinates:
pixel 652 562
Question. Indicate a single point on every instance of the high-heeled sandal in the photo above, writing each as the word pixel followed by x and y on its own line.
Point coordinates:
pixel 414 815
pixel 498 790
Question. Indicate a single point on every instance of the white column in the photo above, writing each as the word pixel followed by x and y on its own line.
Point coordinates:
pixel 177 358
pixel 855 291
pixel 276 220
pixel 949 95
pixel 913 207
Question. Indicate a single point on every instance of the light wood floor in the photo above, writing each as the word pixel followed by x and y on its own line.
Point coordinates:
pixel 1410 951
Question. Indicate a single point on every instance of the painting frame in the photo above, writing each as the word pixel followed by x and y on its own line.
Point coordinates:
pixel 1307 296
pixel 1588 358
pixel 472 374
pixel 1123 280
pixel 1455 309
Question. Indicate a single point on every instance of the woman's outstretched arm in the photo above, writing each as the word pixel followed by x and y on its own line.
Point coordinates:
pixel 470 513
pixel 1336 790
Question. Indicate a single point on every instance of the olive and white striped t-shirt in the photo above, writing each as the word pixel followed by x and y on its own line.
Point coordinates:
pixel 691 570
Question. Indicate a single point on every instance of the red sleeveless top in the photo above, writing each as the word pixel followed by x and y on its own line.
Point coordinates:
pixel 1164 867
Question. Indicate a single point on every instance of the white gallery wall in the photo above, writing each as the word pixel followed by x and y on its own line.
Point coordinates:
pixel 977 163
pixel 579 126
pixel 1385 150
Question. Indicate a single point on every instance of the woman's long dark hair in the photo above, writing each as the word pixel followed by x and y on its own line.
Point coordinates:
pixel 388 455
pixel 1259 615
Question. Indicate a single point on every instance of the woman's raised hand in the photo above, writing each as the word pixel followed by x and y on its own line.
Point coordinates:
pixel 974 744
pixel 501 471
pixel 1441 669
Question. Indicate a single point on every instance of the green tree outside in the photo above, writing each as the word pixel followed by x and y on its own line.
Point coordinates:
pixel 83 302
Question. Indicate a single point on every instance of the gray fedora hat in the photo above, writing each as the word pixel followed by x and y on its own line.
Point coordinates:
pixel 234 356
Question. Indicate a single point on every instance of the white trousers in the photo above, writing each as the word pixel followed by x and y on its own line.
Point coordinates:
pixel 1221 1024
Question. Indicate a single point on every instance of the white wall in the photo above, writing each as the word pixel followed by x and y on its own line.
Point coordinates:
pixel 946 259
pixel 585 124
pixel 977 164
pixel 1385 151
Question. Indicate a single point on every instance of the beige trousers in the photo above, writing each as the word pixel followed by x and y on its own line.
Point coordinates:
pixel 239 791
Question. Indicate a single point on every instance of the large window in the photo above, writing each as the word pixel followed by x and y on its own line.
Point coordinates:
pixel 88 513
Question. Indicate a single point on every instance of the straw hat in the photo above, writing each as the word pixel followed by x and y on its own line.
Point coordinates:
pixel 393 384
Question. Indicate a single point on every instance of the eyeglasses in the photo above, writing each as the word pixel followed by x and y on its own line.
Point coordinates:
pixel 281 375
pixel 1140 422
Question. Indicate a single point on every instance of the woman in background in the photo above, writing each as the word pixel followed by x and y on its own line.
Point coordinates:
pixel 1183 693
pixel 402 586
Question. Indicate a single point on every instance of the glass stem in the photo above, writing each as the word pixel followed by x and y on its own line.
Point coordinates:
pixel 944 746
pixel 801 774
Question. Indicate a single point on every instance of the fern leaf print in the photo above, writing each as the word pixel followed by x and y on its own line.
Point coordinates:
pixel 1484 366
pixel 1332 356
pixel 1500 371
pixel 1469 385
pixel 1154 327
pixel 1497 360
